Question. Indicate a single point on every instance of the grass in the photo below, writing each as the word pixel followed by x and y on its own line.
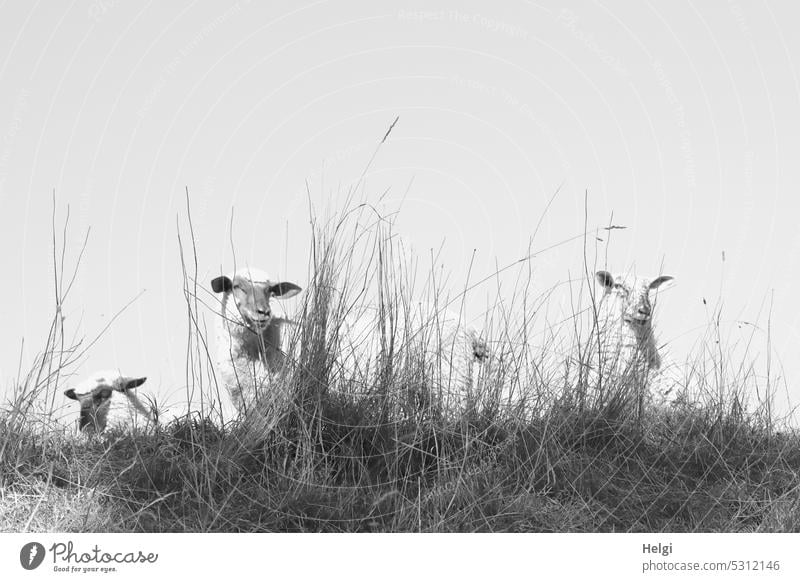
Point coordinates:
pixel 335 448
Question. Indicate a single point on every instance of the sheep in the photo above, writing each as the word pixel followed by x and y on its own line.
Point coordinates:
pixel 624 348
pixel 103 405
pixel 457 356
pixel 446 356
pixel 460 362
pixel 249 348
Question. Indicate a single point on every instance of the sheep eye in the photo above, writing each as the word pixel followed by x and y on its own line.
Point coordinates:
pixel 101 395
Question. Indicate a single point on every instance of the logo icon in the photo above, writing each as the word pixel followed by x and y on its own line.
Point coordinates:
pixel 31 555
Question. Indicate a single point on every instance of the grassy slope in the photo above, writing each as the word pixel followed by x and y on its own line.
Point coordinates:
pixel 330 458
pixel 564 471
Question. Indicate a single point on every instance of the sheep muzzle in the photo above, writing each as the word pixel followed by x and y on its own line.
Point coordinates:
pixel 638 319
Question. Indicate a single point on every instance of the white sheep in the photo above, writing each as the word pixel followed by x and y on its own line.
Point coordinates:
pixel 447 355
pixel 623 352
pixel 457 356
pixel 108 398
pixel 249 345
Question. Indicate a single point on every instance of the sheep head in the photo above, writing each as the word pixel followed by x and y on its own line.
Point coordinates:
pixel 252 291
pixel 94 395
pixel 629 296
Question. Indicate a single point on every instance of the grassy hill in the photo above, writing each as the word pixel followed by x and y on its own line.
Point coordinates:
pixel 324 452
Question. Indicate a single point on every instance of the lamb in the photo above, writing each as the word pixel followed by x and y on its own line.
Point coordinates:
pixel 107 398
pixel 448 354
pixel 624 354
pixel 458 357
pixel 249 347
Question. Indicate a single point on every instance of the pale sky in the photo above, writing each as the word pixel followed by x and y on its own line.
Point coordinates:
pixel 682 119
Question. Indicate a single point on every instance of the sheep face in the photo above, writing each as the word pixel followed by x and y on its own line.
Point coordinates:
pixel 95 395
pixel 630 296
pixel 251 291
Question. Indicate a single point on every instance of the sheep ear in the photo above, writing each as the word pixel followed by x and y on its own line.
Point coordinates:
pixel 284 290
pixel 659 280
pixel 129 383
pixel 605 278
pixel 221 284
pixel 70 394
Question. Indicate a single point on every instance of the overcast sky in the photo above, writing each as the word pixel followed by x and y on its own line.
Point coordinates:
pixel 681 120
